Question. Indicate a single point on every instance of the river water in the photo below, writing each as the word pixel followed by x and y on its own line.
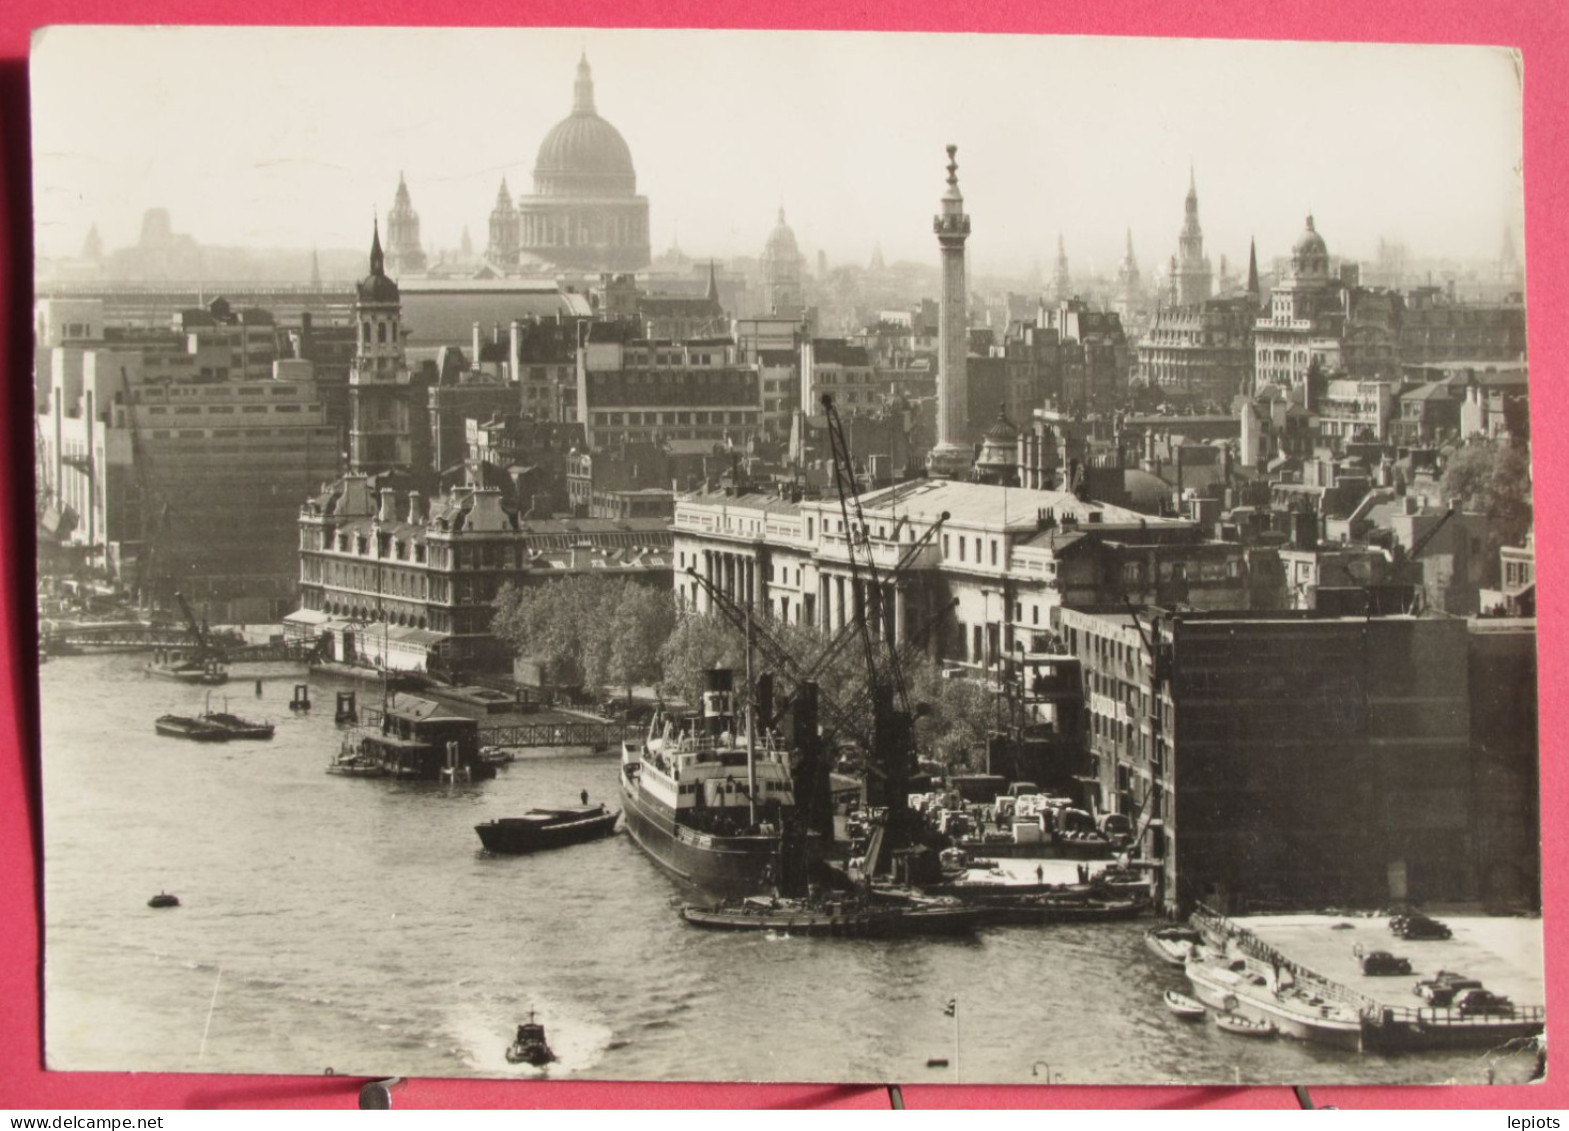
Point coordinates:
pixel 355 925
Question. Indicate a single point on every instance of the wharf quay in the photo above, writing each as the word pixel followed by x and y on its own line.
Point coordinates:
pixel 1320 951
pixel 65 638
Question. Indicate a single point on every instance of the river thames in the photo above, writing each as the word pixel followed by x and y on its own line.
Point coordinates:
pixel 356 925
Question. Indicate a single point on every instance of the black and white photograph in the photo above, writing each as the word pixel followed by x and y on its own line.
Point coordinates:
pixel 626 554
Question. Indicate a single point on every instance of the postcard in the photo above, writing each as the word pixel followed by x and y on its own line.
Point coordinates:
pixel 779 556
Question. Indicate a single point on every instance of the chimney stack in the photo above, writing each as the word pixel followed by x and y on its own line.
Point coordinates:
pixel 416 508
pixel 389 506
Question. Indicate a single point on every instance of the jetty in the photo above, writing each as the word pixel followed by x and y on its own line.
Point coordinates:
pixel 1317 951
pixel 544 729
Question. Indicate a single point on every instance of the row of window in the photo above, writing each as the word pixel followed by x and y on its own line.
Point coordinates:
pixel 959 540
pixel 223 409
pixel 617 419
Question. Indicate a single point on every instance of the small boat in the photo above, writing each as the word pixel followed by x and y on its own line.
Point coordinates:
pixel 547 828
pixel 1173 945
pixel 351 765
pixel 164 899
pixel 1060 908
pixel 530 1046
pixel 831 919
pixel 194 730
pixel 496 756
pixel 1244 1026
pixel 209 672
pixel 1183 1006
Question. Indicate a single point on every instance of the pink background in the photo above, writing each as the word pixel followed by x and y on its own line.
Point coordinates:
pixel 1539 27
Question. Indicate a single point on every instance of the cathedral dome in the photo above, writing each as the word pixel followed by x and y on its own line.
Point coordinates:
pixel 1310 255
pixel 1310 242
pixel 781 246
pixel 584 155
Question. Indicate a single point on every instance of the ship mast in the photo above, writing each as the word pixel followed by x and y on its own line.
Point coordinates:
pixel 751 713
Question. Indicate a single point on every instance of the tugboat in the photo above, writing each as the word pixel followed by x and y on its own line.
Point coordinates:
pixel 708 801
pixel 164 899
pixel 530 1046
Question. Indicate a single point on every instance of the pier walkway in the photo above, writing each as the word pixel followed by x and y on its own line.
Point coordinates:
pixel 556 731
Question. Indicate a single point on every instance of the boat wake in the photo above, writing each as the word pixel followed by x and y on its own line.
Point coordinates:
pixel 481 1037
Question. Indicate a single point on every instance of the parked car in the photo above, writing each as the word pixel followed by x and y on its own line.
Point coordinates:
pixel 1442 989
pixel 1380 963
pixel 1483 1003
pixel 1419 926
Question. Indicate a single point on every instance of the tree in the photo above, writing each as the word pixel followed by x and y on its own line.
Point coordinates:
pixel 1494 479
pixel 591 631
pixel 698 643
pixel 537 621
pixel 959 715
pixel 642 622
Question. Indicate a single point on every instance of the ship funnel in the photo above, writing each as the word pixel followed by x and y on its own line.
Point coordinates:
pixel 718 684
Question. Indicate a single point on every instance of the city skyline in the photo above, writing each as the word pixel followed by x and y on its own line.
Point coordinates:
pixel 1317 127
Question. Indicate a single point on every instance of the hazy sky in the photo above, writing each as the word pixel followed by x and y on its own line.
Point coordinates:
pixel 290 137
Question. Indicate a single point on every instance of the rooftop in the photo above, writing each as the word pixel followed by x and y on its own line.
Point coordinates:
pixel 1011 507
pixel 750 500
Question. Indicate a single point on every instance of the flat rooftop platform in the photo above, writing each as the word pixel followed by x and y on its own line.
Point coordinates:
pixel 1504 954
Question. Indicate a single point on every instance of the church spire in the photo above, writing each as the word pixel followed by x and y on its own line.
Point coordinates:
pixel 583 88
pixel 377 260
pixel 1253 268
pixel 713 284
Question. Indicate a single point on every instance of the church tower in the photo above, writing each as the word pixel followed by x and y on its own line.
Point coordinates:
pixel 950 459
pixel 1062 278
pixel 1192 276
pixel 404 254
pixel 505 231
pixel 93 246
pixel 1129 283
pixel 380 434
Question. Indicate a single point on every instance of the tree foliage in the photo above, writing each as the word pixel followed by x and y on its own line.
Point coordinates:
pixel 961 713
pixel 1494 479
pixel 594 631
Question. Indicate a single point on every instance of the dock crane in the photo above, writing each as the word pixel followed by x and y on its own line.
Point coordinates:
pixel 196 628
pixel 891 761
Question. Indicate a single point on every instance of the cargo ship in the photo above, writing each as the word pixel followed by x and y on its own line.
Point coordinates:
pixel 709 802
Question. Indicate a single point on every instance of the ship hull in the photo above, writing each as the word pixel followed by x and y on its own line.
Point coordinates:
pixel 720 865
pixel 1257 1004
pixel 515 837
